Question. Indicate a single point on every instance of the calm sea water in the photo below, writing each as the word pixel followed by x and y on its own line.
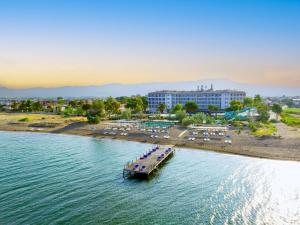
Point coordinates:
pixel 60 179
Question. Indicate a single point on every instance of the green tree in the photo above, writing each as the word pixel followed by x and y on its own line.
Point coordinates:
pixel 126 114
pixel 236 105
pixel 257 100
pixel 177 108
pixel 122 99
pixel 86 106
pixel 131 103
pixel 112 106
pixel 15 105
pixel 191 107
pixel 188 121
pixel 95 119
pixel 161 107
pixel 79 111
pixel 180 115
pixel 98 107
pixel 73 103
pixel 26 105
pixel 263 112
pixel 199 118
pixel 60 100
pixel 213 108
pixel 248 102
pixel 96 112
pixel 69 110
pixel 135 104
pixel 210 120
pixel 276 108
pixel 145 102
pixel 22 106
pixel 37 106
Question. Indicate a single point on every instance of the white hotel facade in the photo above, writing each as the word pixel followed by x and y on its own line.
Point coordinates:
pixel 203 98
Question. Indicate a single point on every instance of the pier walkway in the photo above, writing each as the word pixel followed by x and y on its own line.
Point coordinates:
pixel 148 162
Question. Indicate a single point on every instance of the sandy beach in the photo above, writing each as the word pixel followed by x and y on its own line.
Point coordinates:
pixel 285 146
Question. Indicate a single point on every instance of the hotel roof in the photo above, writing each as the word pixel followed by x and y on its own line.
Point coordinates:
pixel 197 91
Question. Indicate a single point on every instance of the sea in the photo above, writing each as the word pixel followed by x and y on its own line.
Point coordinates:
pixel 65 179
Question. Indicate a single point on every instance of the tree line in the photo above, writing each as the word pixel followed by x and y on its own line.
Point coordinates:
pixel 94 109
pixel 110 108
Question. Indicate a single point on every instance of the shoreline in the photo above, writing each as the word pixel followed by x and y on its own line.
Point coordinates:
pixel 254 151
pixel 284 146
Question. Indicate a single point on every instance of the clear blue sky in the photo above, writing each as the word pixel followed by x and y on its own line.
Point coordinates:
pixel 54 43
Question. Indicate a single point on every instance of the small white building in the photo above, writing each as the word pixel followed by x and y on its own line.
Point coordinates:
pixel 296 102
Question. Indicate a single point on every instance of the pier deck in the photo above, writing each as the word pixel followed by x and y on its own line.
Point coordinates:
pixel 149 161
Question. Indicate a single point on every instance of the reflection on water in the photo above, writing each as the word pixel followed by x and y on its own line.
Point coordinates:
pixel 262 192
pixel 51 179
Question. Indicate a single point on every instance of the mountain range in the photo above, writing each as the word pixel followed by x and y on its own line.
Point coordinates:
pixel 117 89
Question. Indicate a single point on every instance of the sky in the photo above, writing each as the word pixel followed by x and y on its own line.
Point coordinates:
pixel 51 43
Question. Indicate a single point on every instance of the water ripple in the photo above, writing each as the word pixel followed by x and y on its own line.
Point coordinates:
pixel 61 179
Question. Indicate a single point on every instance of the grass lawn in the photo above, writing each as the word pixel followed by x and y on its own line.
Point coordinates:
pixel 292 111
pixel 265 130
pixel 29 117
pixel 290 120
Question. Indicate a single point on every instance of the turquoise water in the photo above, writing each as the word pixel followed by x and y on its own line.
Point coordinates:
pixel 60 179
pixel 158 123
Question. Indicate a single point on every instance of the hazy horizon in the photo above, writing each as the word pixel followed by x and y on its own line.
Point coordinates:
pixel 118 89
pixel 63 43
pixel 206 82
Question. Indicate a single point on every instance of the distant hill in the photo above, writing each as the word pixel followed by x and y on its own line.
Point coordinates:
pixel 143 88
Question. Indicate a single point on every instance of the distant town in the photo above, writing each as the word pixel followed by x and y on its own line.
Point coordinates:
pixel 204 97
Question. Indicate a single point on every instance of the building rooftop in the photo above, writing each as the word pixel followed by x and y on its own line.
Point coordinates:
pixel 197 91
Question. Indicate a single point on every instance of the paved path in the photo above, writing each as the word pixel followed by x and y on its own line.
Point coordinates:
pixel 287 132
pixel 182 133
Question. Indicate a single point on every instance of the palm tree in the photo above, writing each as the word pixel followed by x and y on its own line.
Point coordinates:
pixel 213 108
pixel 177 108
pixel 161 107
pixel 191 107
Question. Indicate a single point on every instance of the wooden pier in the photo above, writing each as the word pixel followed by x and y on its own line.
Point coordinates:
pixel 148 162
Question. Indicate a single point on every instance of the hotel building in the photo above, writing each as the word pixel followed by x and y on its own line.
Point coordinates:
pixel 203 98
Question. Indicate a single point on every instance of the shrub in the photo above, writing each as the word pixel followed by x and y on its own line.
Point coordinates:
pixel 253 126
pixel 94 119
pixel 180 115
pixel 236 123
pixel 199 118
pixel 263 112
pixel 210 120
pixel 188 121
pixel 24 119
pixel 126 114
pixel 265 130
